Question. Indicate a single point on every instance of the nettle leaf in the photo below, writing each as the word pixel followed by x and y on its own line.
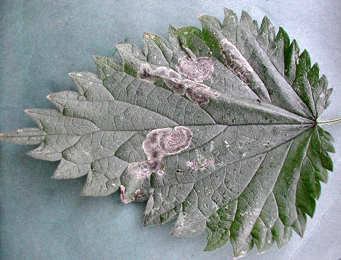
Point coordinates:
pixel 214 127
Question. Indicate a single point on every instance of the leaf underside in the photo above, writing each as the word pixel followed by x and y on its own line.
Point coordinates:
pixel 252 169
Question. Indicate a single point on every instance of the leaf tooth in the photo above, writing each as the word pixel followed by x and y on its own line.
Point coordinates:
pixel 36 113
pixel 300 224
pixel 153 52
pixel 39 114
pixel 188 226
pixel 318 189
pixel 105 177
pixel 326 161
pixel 241 247
pixel 303 199
pixel 132 57
pixel 53 146
pixel 323 82
pixel 70 170
pixel 291 57
pixel 153 218
pixel 325 134
pixel 268 242
pixel 98 184
pixel 246 21
pixel 90 86
pixel 313 75
pixel 281 233
pixel 210 19
pixel 259 234
pixel 192 38
pixel 321 177
pixel 106 67
pixel 229 26
pixel 107 62
pixel 328 146
pixel 60 99
pixel 84 75
pixel 212 25
pixel 266 33
pixel 217 239
pixel 40 154
pixel 229 13
pixel 174 40
pixel 286 237
pixel 306 60
pixel 277 50
pixel 218 226
pixel 53 122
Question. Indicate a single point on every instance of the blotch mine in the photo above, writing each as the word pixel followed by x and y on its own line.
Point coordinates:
pixel 159 143
pixel 195 165
pixel 236 62
pixel 144 169
pixel 146 72
pixel 178 88
pixel 178 140
pixel 199 93
pixel 197 69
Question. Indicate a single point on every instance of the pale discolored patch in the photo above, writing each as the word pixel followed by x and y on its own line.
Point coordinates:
pixel 166 141
pixel 178 140
pixel 199 93
pixel 236 62
pixel 197 69
pixel 158 143
pixel 178 88
pixel 195 165
pixel 144 169
pixel 146 72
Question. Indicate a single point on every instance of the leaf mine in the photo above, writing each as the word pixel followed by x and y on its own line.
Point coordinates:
pixel 197 69
pixel 160 143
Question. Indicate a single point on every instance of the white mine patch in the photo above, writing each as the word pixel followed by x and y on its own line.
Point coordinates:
pixel 159 143
pixel 195 69
pixel 236 61
pixel 198 69
pixel 195 165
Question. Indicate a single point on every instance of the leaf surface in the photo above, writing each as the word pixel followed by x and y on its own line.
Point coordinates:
pixel 214 127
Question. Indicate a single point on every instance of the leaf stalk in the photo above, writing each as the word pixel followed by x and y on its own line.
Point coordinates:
pixel 330 122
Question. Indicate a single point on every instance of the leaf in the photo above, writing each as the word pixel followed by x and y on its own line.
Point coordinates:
pixel 215 127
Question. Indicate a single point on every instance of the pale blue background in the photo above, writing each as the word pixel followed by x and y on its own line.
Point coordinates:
pixel 42 40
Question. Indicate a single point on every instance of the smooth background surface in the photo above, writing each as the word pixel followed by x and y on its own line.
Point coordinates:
pixel 43 40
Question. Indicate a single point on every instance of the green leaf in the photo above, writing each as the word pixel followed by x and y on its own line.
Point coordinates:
pixel 214 127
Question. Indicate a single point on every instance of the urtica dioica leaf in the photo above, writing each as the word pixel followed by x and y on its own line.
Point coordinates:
pixel 214 127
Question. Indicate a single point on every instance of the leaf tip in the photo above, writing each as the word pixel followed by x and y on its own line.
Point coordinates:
pixel 209 248
pixel 266 19
pixel 148 35
pixel 73 74
pixel 28 112
pixel 245 15
pixel 200 16
pixel 95 57
pixel 228 10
